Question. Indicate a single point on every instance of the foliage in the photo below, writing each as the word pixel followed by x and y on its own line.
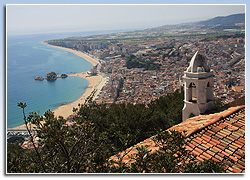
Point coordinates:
pixel 128 124
pixel 171 157
pixel 223 36
pixel 15 158
pixel 135 62
pixel 96 133
pixel 16 139
pixel 58 43
pixel 218 104
pixel 191 115
pixel 206 166
pixel 62 148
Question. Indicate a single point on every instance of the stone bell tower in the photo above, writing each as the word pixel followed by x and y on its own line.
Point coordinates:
pixel 198 87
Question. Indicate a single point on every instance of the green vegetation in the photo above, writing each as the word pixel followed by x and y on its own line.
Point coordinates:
pixel 191 115
pixel 135 62
pixel 18 159
pixel 213 27
pixel 223 36
pixel 98 132
pixel 129 124
pixel 170 158
pixel 218 104
pixel 58 43
pixel 15 139
pixel 138 37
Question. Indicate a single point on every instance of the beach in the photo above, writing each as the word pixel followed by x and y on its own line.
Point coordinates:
pixel 66 110
pixel 95 85
pixel 78 53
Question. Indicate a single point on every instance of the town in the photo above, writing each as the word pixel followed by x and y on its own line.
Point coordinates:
pixel 142 66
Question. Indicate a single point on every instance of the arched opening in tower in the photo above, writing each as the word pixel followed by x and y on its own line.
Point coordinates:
pixel 193 94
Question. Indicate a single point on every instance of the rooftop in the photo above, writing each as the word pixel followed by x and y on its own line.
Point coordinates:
pixel 198 64
pixel 219 136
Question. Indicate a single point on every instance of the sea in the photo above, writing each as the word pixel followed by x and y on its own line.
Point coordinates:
pixel 26 58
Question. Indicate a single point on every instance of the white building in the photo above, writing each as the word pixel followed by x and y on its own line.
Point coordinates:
pixel 198 87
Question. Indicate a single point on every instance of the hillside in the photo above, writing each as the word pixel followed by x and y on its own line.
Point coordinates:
pixel 234 21
pixel 224 20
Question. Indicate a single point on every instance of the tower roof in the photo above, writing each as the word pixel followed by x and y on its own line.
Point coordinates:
pixel 198 64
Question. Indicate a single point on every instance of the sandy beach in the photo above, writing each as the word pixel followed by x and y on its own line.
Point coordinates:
pixel 78 53
pixel 95 83
pixel 66 110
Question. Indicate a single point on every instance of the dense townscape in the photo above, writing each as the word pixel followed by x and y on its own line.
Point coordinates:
pixel 142 66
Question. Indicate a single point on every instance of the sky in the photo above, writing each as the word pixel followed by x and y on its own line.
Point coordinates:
pixel 25 19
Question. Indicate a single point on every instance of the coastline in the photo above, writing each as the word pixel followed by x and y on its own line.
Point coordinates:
pixel 66 110
pixel 95 84
pixel 78 53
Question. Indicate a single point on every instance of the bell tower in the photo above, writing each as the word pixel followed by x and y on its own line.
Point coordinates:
pixel 198 87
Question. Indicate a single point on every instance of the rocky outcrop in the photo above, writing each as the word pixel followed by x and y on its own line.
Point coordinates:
pixel 51 76
pixel 64 75
pixel 39 78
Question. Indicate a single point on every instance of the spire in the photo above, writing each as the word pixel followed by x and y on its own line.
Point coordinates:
pixel 198 64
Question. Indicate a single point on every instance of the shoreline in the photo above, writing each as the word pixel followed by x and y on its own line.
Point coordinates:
pixel 95 84
pixel 93 61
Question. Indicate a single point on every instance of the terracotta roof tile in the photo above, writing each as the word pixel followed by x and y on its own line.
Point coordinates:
pixel 198 141
pixel 219 136
pixel 196 152
pixel 235 171
pixel 200 159
pixel 189 148
pixel 216 149
pixel 208 145
pixel 240 166
pixel 242 163
pixel 207 156
pixel 191 145
pixel 230 138
pixel 220 158
pixel 214 159
pixel 210 132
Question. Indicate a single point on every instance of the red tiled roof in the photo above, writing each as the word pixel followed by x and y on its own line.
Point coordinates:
pixel 222 139
pixel 219 136
pixel 197 123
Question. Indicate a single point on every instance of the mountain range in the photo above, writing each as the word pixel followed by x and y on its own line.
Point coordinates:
pixel 225 20
pixel 234 21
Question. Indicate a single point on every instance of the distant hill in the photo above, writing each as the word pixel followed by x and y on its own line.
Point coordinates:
pixel 224 20
pixel 233 21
